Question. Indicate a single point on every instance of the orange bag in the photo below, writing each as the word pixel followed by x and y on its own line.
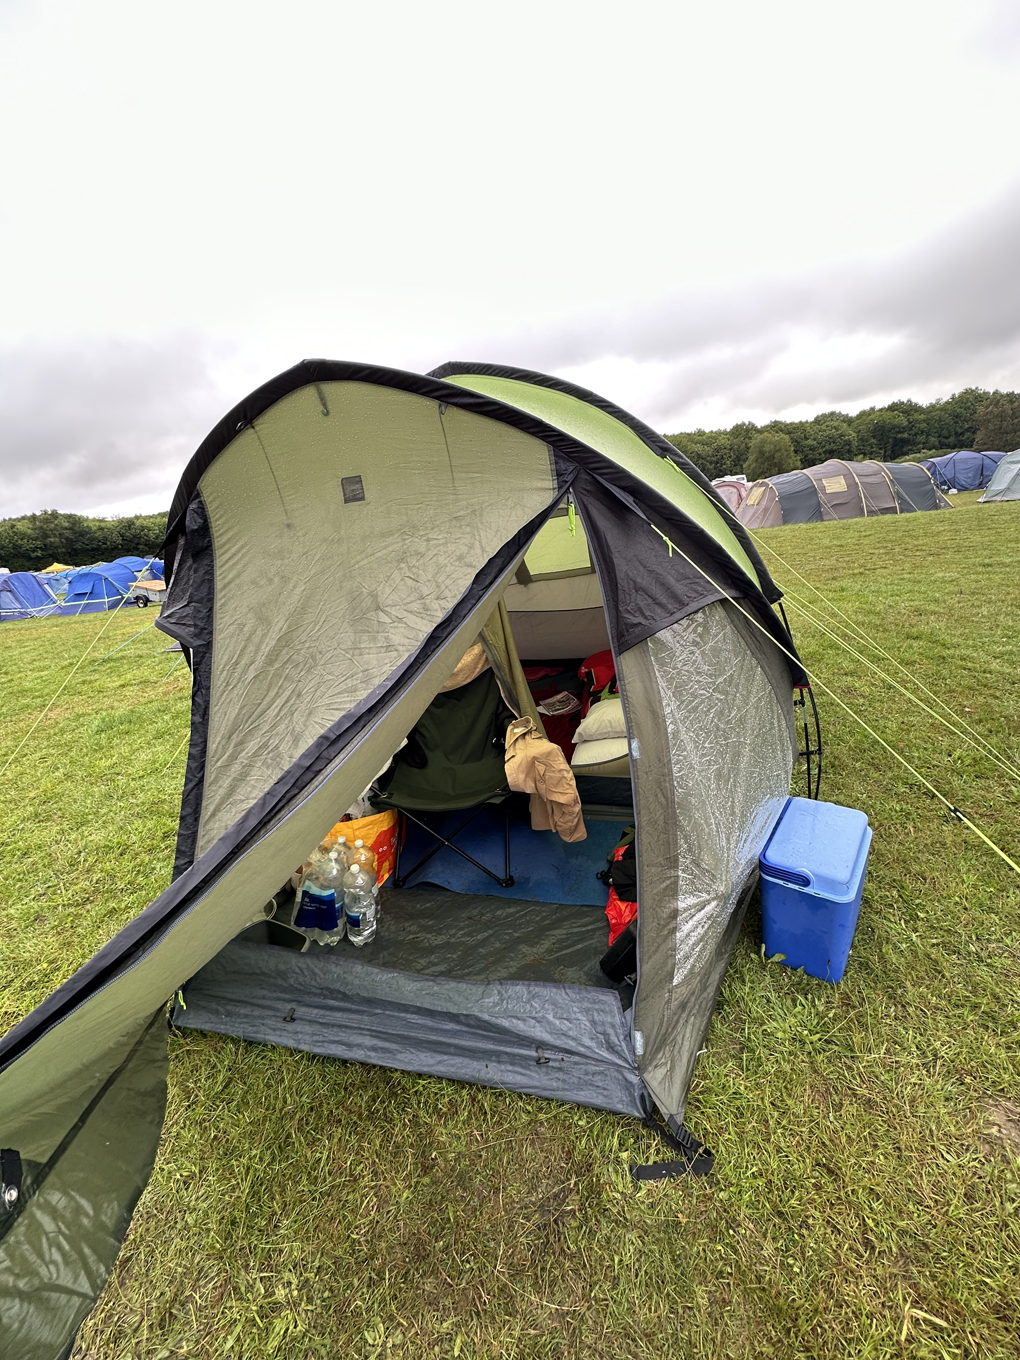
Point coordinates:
pixel 379 833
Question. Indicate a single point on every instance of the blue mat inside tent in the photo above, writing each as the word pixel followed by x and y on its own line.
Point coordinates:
pixel 544 868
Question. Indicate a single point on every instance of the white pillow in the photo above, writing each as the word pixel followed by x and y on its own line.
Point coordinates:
pixel 598 752
pixel 603 720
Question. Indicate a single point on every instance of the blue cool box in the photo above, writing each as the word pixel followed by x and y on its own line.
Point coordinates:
pixel 812 877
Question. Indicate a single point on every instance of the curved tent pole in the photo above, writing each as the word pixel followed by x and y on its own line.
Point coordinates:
pixel 892 484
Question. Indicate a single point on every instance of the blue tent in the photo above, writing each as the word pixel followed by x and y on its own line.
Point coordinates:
pixel 152 568
pixel 24 596
pixel 963 470
pixel 94 589
pixel 135 564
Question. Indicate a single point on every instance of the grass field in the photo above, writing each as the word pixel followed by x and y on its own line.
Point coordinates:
pixel 866 1194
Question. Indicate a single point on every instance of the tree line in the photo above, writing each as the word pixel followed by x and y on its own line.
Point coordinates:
pixel 32 542
pixel 903 431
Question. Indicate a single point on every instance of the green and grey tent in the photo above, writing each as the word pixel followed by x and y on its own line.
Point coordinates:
pixel 1005 482
pixel 396 512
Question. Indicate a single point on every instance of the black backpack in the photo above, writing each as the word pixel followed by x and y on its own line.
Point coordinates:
pixel 622 872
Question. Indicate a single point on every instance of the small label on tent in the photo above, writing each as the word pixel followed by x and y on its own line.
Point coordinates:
pixel 834 483
pixel 353 489
pixel 639 1042
pixel 755 495
pixel 635 748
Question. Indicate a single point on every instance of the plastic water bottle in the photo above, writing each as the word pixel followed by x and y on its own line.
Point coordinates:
pixel 360 907
pixel 344 852
pixel 332 926
pixel 363 855
pixel 316 911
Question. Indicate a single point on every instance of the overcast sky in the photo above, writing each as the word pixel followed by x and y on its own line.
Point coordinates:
pixel 707 212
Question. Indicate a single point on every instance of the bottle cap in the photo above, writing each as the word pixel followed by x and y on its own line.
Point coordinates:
pixel 358 844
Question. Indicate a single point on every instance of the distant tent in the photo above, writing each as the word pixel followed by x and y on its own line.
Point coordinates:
pixel 56 580
pixel 140 564
pixel 60 567
pixel 963 470
pixel 1005 483
pixel 94 589
pixel 732 489
pixel 24 596
pixel 840 490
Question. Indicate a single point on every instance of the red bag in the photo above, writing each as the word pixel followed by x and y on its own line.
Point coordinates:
pixel 598 670
pixel 619 912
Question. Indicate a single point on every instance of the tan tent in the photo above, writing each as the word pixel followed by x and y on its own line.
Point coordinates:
pixel 839 490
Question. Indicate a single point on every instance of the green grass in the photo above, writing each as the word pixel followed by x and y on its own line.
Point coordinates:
pixel 863 1204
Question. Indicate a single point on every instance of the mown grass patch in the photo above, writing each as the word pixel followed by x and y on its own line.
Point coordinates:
pixel 866 1194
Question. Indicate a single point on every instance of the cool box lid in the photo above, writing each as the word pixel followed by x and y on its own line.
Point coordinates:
pixel 819 847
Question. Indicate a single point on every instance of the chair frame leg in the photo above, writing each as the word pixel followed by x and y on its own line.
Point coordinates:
pixel 400 879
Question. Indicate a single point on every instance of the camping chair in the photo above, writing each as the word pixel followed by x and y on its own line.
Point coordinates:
pixel 453 761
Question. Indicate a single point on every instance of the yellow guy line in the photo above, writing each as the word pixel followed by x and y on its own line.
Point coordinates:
pixel 960 816
pixel 176 753
pixel 810 614
pixel 68 679
pixel 860 635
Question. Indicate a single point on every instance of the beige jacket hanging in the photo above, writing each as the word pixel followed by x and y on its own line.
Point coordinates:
pixel 538 767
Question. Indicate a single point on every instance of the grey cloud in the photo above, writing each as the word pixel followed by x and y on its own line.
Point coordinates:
pixel 946 313
pixel 84 424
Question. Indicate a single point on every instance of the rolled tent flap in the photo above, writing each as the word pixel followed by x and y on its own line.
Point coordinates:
pixel 498 640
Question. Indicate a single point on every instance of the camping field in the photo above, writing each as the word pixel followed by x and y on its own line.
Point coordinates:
pixel 866 1198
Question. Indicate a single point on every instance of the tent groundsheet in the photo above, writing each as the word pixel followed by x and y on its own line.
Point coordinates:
pixel 564 1040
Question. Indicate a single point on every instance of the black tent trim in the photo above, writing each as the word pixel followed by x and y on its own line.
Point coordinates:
pixel 308 372
pixel 659 445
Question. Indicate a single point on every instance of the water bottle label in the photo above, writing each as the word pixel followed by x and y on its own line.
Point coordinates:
pixel 326 912
pixel 307 915
pixel 353 922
